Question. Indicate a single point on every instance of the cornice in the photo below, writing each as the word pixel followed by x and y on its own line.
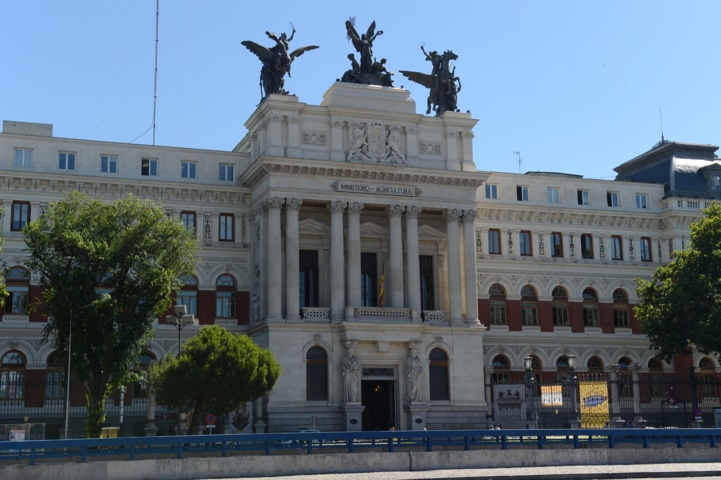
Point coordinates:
pixel 594 218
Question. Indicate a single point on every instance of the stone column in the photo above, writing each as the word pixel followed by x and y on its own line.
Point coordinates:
pixel 292 308
pixel 337 262
pixel 151 430
pixel 469 251
pixel 395 284
pixel 412 258
pixel 616 419
pixel 354 254
pixel 637 417
pixel 275 268
pixel 454 265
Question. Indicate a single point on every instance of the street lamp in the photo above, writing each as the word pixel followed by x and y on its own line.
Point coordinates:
pixel 572 382
pixel 179 320
pixel 530 412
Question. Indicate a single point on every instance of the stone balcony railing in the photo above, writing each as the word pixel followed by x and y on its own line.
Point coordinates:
pixel 378 314
pixel 315 314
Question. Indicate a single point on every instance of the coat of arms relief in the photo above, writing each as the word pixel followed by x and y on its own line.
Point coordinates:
pixel 375 143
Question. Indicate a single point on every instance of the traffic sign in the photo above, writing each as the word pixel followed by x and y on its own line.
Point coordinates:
pixel 210 419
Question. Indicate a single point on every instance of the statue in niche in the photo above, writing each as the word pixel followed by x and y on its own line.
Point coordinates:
pixel 277 61
pixel 413 376
pixel 368 71
pixel 442 82
pixel 351 376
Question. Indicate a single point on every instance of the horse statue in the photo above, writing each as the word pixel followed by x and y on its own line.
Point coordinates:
pixel 442 82
pixel 276 62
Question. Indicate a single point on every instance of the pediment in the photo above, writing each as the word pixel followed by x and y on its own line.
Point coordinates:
pixel 310 226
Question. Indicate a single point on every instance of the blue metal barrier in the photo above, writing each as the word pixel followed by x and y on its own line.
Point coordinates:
pixel 131 448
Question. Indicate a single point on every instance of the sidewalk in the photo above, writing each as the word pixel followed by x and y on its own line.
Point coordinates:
pixel 662 470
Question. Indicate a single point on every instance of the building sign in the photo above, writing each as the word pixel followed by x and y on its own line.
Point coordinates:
pixel 397 190
pixel 594 404
pixel 551 396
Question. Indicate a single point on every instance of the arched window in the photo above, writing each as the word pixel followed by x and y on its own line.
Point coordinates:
pixel 140 388
pixel 438 378
pixel 316 374
pixel 620 308
pixel 590 308
pixel 529 306
pixel 12 376
pixel 562 369
pixel 55 376
pixel 595 365
pixel 560 306
pixel 225 297
pixel 497 305
pixel 625 378
pixel 188 296
pixel 655 370
pixel 501 370
pixel 18 287
pixel 707 379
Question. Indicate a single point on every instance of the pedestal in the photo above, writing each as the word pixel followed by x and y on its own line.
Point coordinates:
pixel 353 413
pixel 416 416
pixel 151 430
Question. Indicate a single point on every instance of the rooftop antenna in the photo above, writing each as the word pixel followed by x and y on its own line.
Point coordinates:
pixel 520 160
pixel 155 80
pixel 660 114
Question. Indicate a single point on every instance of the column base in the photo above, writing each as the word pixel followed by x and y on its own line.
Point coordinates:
pixel 151 430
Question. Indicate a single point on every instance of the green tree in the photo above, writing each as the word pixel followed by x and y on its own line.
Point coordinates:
pixel 215 372
pixel 681 304
pixel 106 270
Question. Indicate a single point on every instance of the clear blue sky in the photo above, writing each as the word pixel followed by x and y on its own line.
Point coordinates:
pixel 574 86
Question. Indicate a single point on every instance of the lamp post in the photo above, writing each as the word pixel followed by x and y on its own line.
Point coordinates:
pixel 530 410
pixel 180 320
pixel 572 382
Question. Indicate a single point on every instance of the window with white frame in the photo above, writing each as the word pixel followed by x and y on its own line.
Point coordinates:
pixel 556 244
pixel 23 157
pixel 522 193
pixel 225 297
pixel 225 173
pixel 645 249
pixel 559 309
pixel 612 199
pixel 108 164
pixel 225 225
pixel 188 296
pixel 18 288
pixel 586 246
pixel 553 195
pixel 494 241
pixel 641 200
pixel 497 305
pixel 525 240
pixel 491 191
pixel 149 167
pixel 583 197
pixel 20 216
pixel 188 219
pixel 616 247
pixel 529 306
pixel 590 308
pixel 188 169
pixel 66 161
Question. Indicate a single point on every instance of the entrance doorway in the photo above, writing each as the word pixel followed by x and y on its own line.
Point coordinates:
pixel 379 399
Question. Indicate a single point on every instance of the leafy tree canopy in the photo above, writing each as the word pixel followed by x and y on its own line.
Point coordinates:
pixel 107 270
pixel 681 305
pixel 216 372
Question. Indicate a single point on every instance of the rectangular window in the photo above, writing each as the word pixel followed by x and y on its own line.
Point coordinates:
pixel 641 200
pixel 108 164
pixel 17 300
pixel 590 315
pixel 427 283
pixel 20 216
pixel 616 248
pixel 620 317
pixel 225 224
pixel 714 183
pixel 586 246
pixel 497 312
pixel 583 197
pixel 553 195
pixel 225 304
pixel 226 173
pixel 369 277
pixel 560 314
pixel 494 241
pixel 612 199
pixel 54 385
pixel 491 191
pixel 188 169
pixel 189 298
pixel 188 220
pixel 645 249
pixel 308 278
pixel 12 385
pixel 66 161
pixel 149 167
pixel 529 313
pixel 23 157
pixel 522 193
pixel 525 239
pixel 556 245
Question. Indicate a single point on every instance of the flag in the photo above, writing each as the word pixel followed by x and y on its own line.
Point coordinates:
pixel 381 286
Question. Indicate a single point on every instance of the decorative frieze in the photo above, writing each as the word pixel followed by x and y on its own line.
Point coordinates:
pixel 314 138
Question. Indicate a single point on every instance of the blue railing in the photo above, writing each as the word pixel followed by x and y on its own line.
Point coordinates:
pixel 131 448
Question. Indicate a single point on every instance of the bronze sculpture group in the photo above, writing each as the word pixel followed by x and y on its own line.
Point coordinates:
pixel 442 82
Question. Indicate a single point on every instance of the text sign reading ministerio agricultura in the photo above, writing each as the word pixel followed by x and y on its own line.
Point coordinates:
pixel 403 191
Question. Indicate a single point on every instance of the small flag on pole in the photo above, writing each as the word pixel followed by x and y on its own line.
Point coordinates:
pixel 381 286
